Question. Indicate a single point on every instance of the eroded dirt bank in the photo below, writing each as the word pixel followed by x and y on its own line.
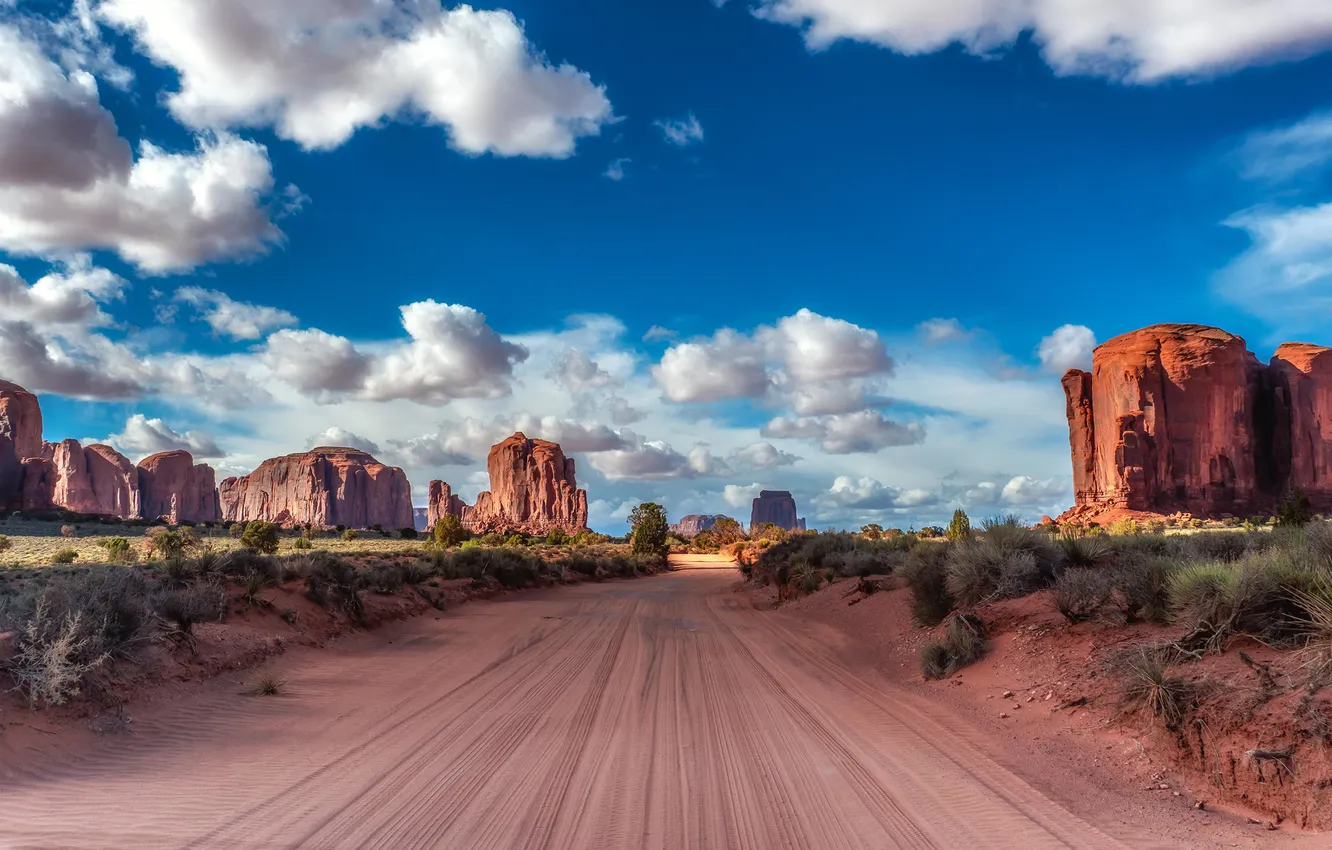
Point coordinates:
pixel 667 712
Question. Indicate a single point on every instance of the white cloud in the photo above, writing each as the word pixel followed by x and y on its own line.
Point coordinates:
pixel 336 437
pixel 644 460
pixel 1135 42
pixel 936 331
pixel 1286 275
pixel 71 296
pixel 681 132
pixel 729 365
pixel 577 371
pixel 816 348
pixel 1285 152
pixel 738 496
pixel 233 319
pixel 452 354
pixel 319 70
pixel 143 436
pixel 1069 347
pixel 615 171
pixel 868 494
pixel 657 333
pixel 850 433
pixel 318 364
pixel 762 455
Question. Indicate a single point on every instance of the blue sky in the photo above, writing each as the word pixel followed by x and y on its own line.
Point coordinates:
pixel 869 233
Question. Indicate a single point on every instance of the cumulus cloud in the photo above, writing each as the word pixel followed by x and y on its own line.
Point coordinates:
pixel 319 70
pixel 233 319
pixel 70 296
pixel 336 437
pixel 680 132
pixel 622 412
pixel 729 365
pixel 577 371
pixel 572 435
pixel 1135 42
pixel 615 171
pixel 452 354
pixel 143 436
pixel 816 348
pixel 741 496
pixel 762 455
pixel 868 494
pixel 850 433
pixel 316 363
pixel 1069 347
pixel 643 460
pixel 657 333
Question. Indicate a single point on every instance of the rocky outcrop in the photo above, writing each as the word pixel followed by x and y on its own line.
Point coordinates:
pixel 444 503
pixel 175 489
pixel 532 490
pixel 689 526
pixel 20 438
pixel 1184 419
pixel 93 480
pixel 777 507
pixel 325 487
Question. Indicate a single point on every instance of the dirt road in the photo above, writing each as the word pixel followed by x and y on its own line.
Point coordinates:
pixel 657 713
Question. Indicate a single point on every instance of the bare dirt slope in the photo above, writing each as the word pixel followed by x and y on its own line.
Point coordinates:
pixel 659 713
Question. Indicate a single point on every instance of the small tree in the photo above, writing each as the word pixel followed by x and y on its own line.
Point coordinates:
pixel 873 531
pixel 261 536
pixel 556 537
pixel 726 531
pixel 1295 509
pixel 170 542
pixel 650 529
pixel 449 532
pixel 960 527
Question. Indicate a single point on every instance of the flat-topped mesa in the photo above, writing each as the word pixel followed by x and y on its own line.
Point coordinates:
pixel 690 526
pixel 777 507
pixel 325 487
pixel 444 503
pixel 1183 418
pixel 20 438
pixel 532 490
pixel 175 489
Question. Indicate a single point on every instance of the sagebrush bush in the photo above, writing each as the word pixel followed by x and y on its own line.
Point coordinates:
pixel 185 607
pixel 1079 594
pixel 1149 685
pixel 963 643
pixel 53 657
pixel 65 556
pixel 926 574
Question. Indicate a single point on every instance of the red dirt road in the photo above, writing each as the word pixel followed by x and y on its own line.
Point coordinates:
pixel 658 713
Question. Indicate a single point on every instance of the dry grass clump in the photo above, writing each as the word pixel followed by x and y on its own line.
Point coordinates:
pixel 1149 685
pixel 1079 594
pixel 963 643
pixel 54 657
pixel 265 683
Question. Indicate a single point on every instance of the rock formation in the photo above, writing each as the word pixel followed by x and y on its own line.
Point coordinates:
pixel 532 489
pixel 1183 418
pixel 776 507
pixel 173 488
pixel 325 487
pixel 690 526
pixel 444 503
pixel 93 480
pixel 20 438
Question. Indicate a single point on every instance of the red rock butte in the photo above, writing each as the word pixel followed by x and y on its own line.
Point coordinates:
pixel 1185 419
pixel 777 507
pixel 532 490
pixel 324 487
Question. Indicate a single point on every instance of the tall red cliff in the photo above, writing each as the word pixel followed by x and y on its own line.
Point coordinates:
pixel 442 503
pixel 325 487
pixel 20 438
pixel 175 489
pixel 1184 418
pixel 532 489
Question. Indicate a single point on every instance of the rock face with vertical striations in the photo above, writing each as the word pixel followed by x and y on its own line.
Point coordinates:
pixel 174 488
pixel 444 503
pixel 325 487
pixel 689 526
pixel 532 490
pixel 20 438
pixel 1183 418
pixel 777 507
pixel 93 480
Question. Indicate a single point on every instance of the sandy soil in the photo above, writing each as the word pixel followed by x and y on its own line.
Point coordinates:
pixel 665 712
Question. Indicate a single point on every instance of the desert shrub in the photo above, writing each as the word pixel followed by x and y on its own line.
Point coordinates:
pixel 1210 546
pixel 1295 509
pixel 1258 596
pixel 1080 593
pixel 1141 589
pixel 926 574
pixel 350 534
pixel 289 616
pixel 407 533
pixel 385 578
pixel 648 538
pixel 1148 684
pixel 1124 526
pixel 990 568
pixel 53 657
pixel 416 572
pixel 253 584
pixel 69 532
pixel 872 531
pixel 5 543
pixel 118 550
pixel 163 542
pixel 516 539
pixel 244 562
pixel 236 530
pixel 261 536
pixel 65 556
pixel 963 643
pixel 492 539
pixel 514 569
pixel 557 537
pixel 184 607
pixel 265 683
pixel 449 532
pixel 726 531
pixel 302 543
pixel 1079 551
pixel 176 572
pixel 959 528
pixel 332 581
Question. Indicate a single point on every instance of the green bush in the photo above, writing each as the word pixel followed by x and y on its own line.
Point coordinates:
pixel 1295 509
pixel 407 533
pixel 261 536
pixel 926 573
pixel 162 542
pixel 556 537
pixel 302 543
pixel 960 526
pixel 650 529
pixel 65 556
pixel 449 532
pixel 1079 594
pixel 118 550
pixel 350 534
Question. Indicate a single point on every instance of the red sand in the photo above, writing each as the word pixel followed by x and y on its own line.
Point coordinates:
pixel 668 712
